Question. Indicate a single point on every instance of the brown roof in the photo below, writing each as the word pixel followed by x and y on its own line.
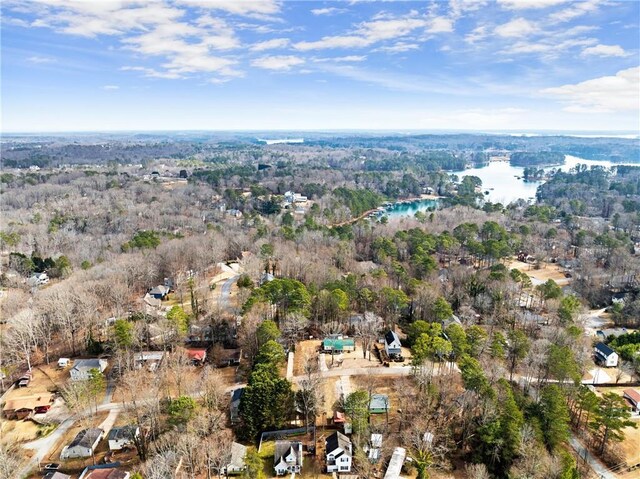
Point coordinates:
pixel 29 402
pixel 107 473
pixel 633 395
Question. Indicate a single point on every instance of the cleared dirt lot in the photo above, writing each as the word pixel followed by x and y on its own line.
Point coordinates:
pixel 631 444
pixel 546 271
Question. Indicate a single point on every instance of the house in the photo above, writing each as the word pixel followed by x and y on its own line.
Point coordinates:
pixel 236 463
pixel 339 453
pixel 82 367
pixel 38 279
pixel 229 357
pixel 337 344
pixel 338 417
pixel 234 409
pixel 291 197
pixel 22 407
pixel 395 464
pixel 160 292
pixel 121 437
pixel 287 458
pixel 105 471
pixel 56 475
pixel 606 356
pixel 392 344
pixel 633 399
pixel 148 359
pixel 266 278
pixel 83 444
pixel 196 356
pixel 379 404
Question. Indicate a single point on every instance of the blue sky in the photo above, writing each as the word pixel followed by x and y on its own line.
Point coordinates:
pixel 232 64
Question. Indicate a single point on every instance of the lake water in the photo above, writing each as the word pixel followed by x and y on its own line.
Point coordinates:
pixel 410 209
pixel 500 179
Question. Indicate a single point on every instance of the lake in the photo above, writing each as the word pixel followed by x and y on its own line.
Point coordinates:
pixel 499 178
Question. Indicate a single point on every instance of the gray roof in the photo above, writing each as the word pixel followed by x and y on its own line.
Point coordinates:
pixel 379 401
pixel 338 440
pixel 56 475
pixel 87 364
pixel 283 448
pixel 238 453
pixel 160 289
pixel 86 438
pixel 119 433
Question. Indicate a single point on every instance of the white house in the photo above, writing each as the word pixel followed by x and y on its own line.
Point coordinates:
pixel 236 464
pixel 83 444
pixel 392 344
pixel 121 437
pixel 339 453
pixel 38 279
pixel 287 458
pixel 82 367
pixel 605 355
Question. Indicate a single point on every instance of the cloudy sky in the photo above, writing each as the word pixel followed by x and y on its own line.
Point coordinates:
pixel 234 64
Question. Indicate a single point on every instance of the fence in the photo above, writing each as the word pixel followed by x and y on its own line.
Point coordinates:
pixel 284 433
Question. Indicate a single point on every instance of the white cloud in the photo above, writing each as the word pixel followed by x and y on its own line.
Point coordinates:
pixel 518 27
pixel 248 8
pixel 111 87
pixel 605 94
pixel 399 47
pixel 347 59
pixel 604 51
pixel 577 9
pixel 328 11
pixel 269 44
pixel 152 73
pixel 369 33
pixel 477 34
pixel 277 62
pixel 529 4
pixel 40 60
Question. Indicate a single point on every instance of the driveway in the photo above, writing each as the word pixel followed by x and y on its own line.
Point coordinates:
pixel 596 465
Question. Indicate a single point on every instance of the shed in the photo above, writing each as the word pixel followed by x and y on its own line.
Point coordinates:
pixel 63 362
pixel 633 399
pixel 379 404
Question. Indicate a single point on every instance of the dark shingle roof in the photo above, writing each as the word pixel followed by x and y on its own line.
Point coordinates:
pixel 391 337
pixel 604 349
pixel 86 437
pixel 338 440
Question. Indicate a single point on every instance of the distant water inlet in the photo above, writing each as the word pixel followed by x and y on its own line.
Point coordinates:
pixel 408 208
